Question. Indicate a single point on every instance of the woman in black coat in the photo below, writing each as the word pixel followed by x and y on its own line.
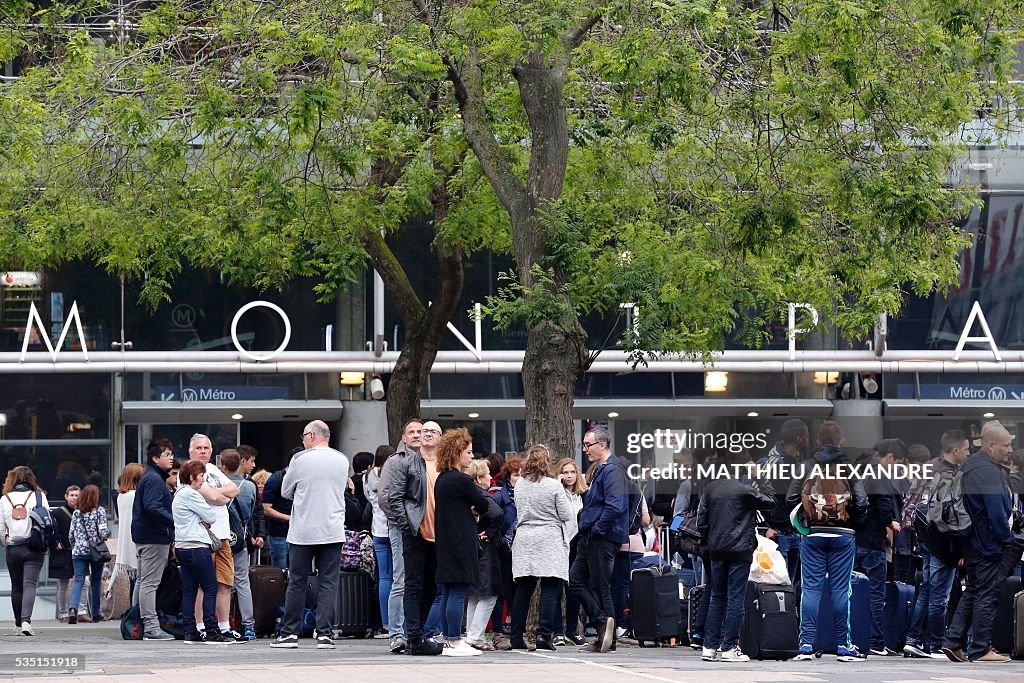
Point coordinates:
pixel 456 496
pixel 60 568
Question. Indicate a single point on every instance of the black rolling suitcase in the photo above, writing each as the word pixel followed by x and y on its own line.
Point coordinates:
pixel 654 605
pixel 357 608
pixel 1003 626
pixel 692 609
pixel 771 622
pixel 899 612
pixel 268 586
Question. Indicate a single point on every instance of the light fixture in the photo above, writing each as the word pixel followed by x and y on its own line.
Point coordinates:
pixel 752 413
pixel 988 416
pixel 352 379
pixel 376 388
pixel 473 416
pixel 716 381
pixel 613 415
pixel 236 416
pixel 869 383
pixel 826 377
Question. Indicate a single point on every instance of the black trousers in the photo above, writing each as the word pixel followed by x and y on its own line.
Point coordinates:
pixel 548 612
pixel 420 586
pixel 590 577
pixel 300 566
pixel 975 614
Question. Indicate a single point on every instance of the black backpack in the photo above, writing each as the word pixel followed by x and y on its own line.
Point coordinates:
pixel 238 538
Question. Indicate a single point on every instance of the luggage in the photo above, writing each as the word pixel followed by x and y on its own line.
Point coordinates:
pixel 1018 626
pixel 654 605
pixel 696 593
pixel 268 586
pixel 899 613
pixel 860 618
pixel 771 623
pixel 684 615
pixel 357 608
pixel 1003 626
pixel 131 624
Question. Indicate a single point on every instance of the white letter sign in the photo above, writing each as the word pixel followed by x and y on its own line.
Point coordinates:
pixel 33 317
pixel 976 313
pixel 793 331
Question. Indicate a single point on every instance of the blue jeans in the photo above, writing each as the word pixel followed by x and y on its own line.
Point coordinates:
pixel 435 618
pixel 831 556
pixel 382 549
pixel 872 563
pixel 620 585
pixel 278 551
pixel 929 623
pixel 789 546
pixel 197 572
pixel 95 571
pixel 728 596
pixel 452 609
pixel 396 600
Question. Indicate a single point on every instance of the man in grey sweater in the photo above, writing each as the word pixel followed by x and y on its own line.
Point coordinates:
pixel 315 481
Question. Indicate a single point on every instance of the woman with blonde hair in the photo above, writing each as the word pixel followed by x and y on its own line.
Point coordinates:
pixel 481 597
pixel 456 497
pixel 126 559
pixel 540 551
pixel 21 494
pixel 568 473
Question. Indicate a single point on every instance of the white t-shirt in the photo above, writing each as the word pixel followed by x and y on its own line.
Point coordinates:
pixel 217 479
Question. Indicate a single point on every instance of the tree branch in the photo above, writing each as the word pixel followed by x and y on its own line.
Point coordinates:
pixel 576 36
pixel 404 297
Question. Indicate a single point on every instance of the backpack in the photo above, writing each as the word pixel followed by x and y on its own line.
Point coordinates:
pixel 826 500
pixel 43 536
pixel 237 538
pixel 947 507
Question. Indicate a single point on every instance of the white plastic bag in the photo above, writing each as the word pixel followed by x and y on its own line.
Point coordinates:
pixel 768 565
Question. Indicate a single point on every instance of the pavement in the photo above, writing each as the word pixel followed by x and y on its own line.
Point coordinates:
pixel 103 656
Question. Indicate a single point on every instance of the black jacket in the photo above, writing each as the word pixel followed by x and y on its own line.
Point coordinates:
pixel 455 530
pixel 152 521
pixel 60 566
pixel 990 503
pixel 882 509
pixel 725 517
pixel 489 582
pixel 830 455
pixel 778 517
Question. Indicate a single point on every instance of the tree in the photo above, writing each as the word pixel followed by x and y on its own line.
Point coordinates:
pixel 707 160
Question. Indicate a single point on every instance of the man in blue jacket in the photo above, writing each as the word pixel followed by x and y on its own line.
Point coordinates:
pixel 153 533
pixel 989 502
pixel 603 528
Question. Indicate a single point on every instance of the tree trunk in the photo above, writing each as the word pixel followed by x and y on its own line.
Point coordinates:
pixel 554 361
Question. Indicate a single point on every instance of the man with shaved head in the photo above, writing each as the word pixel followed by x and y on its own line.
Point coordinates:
pixel 989 502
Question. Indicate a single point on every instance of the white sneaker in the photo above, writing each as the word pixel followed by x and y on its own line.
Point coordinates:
pixel 709 655
pixel 619 633
pixel 26 629
pixel 463 649
pixel 16 631
pixel 733 655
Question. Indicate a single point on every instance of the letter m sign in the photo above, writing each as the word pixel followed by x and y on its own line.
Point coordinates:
pixel 34 319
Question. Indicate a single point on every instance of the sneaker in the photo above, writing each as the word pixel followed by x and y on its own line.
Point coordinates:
pixel 849 654
pixel 883 652
pixel 26 629
pixel 194 637
pixel 483 646
pixel 218 638
pixel 696 641
pixel 954 654
pixel 806 653
pixel 426 648
pixel 606 633
pixel 460 650
pixel 159 634
pixel 250 634
pixel 397 645
pixel 708 654
pixel 620 632
pixel 72 616
pixel 17 630
pixel 916 651
pixel 733 655
pixel 290 641
pixel 231 636
pixel 559 641
pixel 324 642
pixel 992 657
pixel 937 655
pixel 577 639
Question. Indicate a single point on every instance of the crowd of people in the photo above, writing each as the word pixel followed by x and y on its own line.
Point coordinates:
pixel 531 548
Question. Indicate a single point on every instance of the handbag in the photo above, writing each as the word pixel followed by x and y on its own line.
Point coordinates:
pixel 99 552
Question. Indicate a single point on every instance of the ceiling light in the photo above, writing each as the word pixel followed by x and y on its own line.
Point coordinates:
pixel 236 416
pixel 752 413
pixel 826 377
pixel 352 379
pixel 473 416
pixel 613 415
pixel 988 416
pixel 716 381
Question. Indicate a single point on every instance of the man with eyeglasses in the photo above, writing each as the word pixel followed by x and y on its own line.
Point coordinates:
pixel 603 528
pixel 315 481
pixel 410 499
pixel 409 445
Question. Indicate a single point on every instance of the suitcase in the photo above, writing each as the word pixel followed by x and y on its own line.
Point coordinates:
pixel 771 623
pixel 654 605
pixel 692 608
pixel 357 605
pixel 899 611
pixel 684 615
pixel 860 618
pixel 268 586
pixel 1003 627
pixel 1018 626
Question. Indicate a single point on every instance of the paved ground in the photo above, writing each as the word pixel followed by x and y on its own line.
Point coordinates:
pixel 108 657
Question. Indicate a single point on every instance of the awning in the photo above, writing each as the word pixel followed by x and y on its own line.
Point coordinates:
pixel 632 408
pixel 211 412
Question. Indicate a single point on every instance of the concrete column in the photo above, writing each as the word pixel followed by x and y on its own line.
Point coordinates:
pixel 364 426
pixel 861 421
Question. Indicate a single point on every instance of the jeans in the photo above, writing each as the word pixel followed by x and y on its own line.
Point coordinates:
pixel 824 558
pixel 872 563
pixel 95 571
pixel 420 564
pixel 396 599
pixel 977 609
pixel 547 611
pixel 24 566
pixel 382 551
pixel 789 546
pixel 620 584
pixel 453 603
pixel 152 559
pixel 300 566
pixel 243 590
pixel 590 577
pixel 478 613
pixel 435 617
pixel 728 599
pixel 278 551
pixel 929 622
pixel 197 572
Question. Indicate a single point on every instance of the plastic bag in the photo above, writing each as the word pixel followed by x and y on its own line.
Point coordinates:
pixel 768 566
